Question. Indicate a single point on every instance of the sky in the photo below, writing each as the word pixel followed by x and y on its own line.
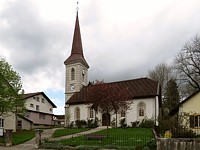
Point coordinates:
pixel 122 39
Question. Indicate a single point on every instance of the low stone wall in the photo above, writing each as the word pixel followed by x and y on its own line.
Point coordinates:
pixel 178 144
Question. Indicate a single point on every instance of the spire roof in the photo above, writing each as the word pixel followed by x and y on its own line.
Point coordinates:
pixel 77 49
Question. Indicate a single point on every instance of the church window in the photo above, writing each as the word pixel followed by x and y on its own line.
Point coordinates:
pixel 91 113
pixel 123 113
pixel 141 109
pixel 72 74
pixel 83 77
pixel 77 113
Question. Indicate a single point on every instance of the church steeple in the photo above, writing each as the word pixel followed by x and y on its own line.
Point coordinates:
pixel 77 43
pixel 77 49
pixel 76 68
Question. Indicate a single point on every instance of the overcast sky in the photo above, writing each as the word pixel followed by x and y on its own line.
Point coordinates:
pixel 122 39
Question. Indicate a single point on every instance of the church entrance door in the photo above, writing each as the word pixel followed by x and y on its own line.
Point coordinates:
pixel 105 119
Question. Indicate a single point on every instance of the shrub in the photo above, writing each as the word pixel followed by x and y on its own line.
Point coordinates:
pixel 71 124
pixel 122 123
pixel 80 123
pixel 152 144
pixel 178 125
pixel 96 122
pixel 134 124
pixel 147 123
pixel 182 132
pixel 113 123
pixel 92 123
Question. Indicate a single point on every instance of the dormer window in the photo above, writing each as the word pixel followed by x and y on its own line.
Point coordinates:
pixel 72 74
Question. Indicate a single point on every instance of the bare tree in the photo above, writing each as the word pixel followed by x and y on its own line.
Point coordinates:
pixel 187 64
pixel 161 73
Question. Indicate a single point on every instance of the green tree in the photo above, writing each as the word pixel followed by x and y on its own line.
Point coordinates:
pixel 171 97
pixel 10 87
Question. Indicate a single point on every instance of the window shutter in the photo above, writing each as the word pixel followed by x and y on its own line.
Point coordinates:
pixel 191 121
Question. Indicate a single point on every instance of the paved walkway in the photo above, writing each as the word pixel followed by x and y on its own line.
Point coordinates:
pixel 30 145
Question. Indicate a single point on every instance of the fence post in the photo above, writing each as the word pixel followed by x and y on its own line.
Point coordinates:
pixel 9 137
pixel 37 137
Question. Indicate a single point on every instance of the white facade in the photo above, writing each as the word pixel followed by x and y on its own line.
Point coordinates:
pixel 9 122
pixel 39 103
pixel 151 110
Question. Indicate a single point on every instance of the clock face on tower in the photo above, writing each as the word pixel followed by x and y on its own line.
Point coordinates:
pixel 72 87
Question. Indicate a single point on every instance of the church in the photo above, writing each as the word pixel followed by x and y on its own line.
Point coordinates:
pixel 144 93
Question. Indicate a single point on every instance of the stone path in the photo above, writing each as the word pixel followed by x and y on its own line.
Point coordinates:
pixel 82 133
pixel 30 145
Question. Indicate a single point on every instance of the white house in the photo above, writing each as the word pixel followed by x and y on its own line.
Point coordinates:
pixel 39 109
pixel 143 92
pixel 191 107
pixel 39 114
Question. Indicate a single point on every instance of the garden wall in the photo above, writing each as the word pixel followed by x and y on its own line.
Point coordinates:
pixel 178 143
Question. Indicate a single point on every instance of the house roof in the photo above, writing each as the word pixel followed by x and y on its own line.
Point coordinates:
pixel 176 108
pixel 41 112
pixel 136 88
pixel 28 95
pixel 25 118
pixel 77 49
pixel 60 116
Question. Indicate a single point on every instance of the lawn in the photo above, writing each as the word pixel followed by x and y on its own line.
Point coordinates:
pixel 19 137
pixel 22 136
pixel 116 137
pixel 68 131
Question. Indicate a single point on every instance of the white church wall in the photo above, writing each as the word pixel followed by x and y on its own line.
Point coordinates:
pixel 132 115
pixel 83 112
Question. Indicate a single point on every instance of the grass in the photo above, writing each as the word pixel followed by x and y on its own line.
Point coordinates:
pixel 1 139
pixel 116 137
pixel 68 131
pixel 22 136
pixel 19 137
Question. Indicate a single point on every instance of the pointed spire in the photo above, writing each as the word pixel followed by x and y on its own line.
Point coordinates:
pixel 77 43
pixel 77 49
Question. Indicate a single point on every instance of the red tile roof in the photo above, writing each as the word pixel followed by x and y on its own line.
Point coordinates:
pixel 137 88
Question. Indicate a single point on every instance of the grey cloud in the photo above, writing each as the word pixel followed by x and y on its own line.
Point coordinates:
pixel 34 44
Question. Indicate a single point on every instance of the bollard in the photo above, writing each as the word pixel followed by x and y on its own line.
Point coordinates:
pixel 37 137
pixel 9 137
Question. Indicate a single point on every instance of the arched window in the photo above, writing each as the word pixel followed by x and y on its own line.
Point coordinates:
pixel 91 113
pixel 72 74
pixel 141 109
pixel 123 113
pixel 77 113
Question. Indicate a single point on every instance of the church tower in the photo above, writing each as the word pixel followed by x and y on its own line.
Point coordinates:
pixel 76 66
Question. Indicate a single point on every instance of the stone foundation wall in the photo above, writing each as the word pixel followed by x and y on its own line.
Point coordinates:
pixel 178 144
